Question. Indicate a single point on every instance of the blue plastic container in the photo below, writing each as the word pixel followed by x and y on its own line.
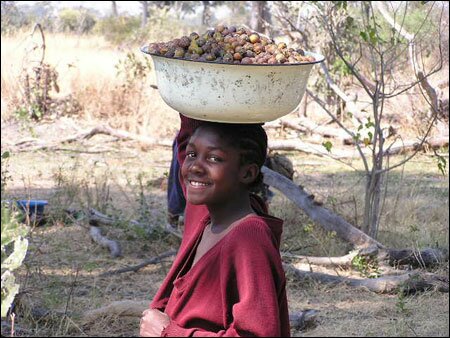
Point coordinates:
pixel 32 206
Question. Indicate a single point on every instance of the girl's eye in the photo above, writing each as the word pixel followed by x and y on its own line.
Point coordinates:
pixel 190 154
pixel 215 159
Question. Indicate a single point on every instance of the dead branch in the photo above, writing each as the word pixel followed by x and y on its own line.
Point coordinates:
pixel 408 282
pixel 344 230
pixel 135 268
pixel 309 148
pixel 327 219
pixel 415 258
pixel 416 68
pixel 113 246
pixel 410 145
pixel 119 308
pixel 303 319
pixel 30 145
pixel 343 261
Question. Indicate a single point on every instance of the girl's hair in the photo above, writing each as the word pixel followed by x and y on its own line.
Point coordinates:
pixel 249 139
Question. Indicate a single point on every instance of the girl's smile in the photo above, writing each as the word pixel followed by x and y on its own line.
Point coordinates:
pixel 210 170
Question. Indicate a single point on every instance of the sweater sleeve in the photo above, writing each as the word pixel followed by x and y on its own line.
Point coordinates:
pixel 187 128
pixel 252 281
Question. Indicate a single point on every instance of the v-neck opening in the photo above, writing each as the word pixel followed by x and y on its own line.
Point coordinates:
pixel 190 260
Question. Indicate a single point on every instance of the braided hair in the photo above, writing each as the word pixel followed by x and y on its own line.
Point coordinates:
pixel 249 139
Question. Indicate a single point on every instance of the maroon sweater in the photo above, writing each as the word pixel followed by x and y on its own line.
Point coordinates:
pixel 238 287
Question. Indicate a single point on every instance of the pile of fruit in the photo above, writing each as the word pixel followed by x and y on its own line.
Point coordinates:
pixel 229 45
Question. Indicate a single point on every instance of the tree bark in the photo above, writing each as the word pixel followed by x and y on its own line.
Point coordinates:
pixel 122 308
pixel 407 283
pixel 144 13
pixel 260 17
pixel 327 219
pixel 135 268
pixel 114 12
pixel 256 19
pixel 113 246
pixel 206 15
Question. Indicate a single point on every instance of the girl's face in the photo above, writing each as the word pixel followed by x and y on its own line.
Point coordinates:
pixel 211 171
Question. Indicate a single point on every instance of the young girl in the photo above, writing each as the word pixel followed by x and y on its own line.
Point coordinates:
pixel 227 279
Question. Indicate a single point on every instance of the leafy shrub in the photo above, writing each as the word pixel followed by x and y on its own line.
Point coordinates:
pixel 14 249
pixel 118 30
pixel 78 21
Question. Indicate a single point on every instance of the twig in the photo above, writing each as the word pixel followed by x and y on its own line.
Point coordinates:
pixel 71 290
pixel 135 268
pixel 113 246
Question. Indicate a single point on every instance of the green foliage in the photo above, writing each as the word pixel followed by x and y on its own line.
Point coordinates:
pixel 14 248
pixel 118 30
pixel 5 174
pixel 340 68
pixel 328 145
pixel 133 69
pixel 12 19
pixel 366 267
pixel 38 83
pixel 442 164
pixel 401 301
pixel 75 21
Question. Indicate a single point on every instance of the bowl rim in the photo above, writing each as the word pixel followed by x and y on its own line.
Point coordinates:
pixel 144 49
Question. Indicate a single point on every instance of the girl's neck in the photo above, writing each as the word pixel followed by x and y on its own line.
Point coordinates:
pixel 225 214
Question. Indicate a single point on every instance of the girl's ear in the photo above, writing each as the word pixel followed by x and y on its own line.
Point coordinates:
pixel 249 173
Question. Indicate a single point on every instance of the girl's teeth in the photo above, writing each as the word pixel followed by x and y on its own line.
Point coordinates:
pixel 198 183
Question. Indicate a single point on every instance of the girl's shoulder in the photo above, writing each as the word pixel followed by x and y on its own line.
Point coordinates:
pixel 256 229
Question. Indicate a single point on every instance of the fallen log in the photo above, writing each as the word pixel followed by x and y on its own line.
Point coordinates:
pixel 286 145
pixel 411 258
pixel 409 282
pixel 30 144
pixel 415 258
pixel 130 308
pixel 303 319
pixel 324 217
pixel 310 127
pixel 411 145
pixel 113 246
pixel 343 261
pixel 309 148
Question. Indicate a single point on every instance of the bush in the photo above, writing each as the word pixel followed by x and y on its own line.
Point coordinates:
pixel 118 30
pixel 75 21
pixel 14 249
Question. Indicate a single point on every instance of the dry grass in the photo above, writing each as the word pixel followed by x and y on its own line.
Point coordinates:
pixel 61 248
pixel 87 71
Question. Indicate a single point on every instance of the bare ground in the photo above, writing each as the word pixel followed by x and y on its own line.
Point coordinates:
pixel 62 268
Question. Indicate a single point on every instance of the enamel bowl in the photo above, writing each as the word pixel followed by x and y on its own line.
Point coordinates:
pixel 231 93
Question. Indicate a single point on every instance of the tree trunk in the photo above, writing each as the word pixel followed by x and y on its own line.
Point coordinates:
pixel 409 282
pixel 206 16
pixel 144 13
pixel 327 219
pixel 115 14
pixel 260 17
pixel 256 16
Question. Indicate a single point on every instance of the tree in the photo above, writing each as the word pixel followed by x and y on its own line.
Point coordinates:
pixel 114 9
pixel 144 13
pixel 260 19
pixel 374 53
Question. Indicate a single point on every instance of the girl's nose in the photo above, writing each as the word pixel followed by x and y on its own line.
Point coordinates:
pixel 196 167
